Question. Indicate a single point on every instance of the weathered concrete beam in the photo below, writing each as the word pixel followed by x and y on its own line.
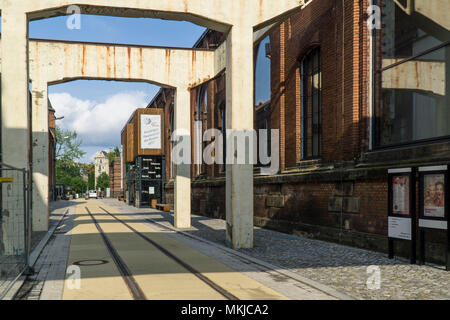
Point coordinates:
pixel 64 61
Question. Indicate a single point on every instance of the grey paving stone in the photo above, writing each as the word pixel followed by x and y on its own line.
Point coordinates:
pixel 340 267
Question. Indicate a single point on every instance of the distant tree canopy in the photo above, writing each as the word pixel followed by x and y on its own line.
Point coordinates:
pixel 113 154
pixel 91 181
pixel 68 145
pixel 67 152
pixel 103 181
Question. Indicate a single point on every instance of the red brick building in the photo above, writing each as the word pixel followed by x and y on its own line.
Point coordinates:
pixel 115 178
pixel 345 114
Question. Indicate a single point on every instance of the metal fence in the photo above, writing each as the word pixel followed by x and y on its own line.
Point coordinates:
pixel 15 225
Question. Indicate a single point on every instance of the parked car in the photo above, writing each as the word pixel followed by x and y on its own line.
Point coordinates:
pixel 93 194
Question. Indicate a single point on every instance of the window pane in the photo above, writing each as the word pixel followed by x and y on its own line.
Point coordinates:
pixel 311 105
pixel 414 100
pixel 406 35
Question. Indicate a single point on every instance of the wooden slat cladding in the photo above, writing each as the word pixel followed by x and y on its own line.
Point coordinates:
pixel 132 135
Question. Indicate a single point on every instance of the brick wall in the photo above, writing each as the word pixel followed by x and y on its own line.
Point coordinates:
pixel 343 195
pixel 114 178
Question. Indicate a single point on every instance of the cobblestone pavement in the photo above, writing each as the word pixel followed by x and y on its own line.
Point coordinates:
pixel 340 267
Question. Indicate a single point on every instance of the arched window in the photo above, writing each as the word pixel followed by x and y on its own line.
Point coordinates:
pixel 200 125
pixel 311 105
pixel 262 72
pixel 263 90
pixel 172 129
pixel 222 126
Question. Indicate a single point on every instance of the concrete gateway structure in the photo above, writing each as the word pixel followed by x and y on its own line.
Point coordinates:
pixel 349 102
pixel 239 19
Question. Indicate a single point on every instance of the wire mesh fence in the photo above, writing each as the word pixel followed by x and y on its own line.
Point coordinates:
pixel 14 225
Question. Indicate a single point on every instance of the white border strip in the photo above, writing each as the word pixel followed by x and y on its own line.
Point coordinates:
pixel 433 224
pixel 435 168
pixel 402 170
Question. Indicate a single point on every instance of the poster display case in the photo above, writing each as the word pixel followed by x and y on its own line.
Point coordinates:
pixel 433 206
pixel 402 209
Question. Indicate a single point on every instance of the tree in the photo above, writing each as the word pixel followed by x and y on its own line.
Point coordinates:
pixel 67 152
pixel 78 184
pixel 68 145
pixel 103 181
pixel 91 181
pixel 112 155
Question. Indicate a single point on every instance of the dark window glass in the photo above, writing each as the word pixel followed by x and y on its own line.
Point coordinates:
pixel 263 91
pixel 311 105
pixel 412 99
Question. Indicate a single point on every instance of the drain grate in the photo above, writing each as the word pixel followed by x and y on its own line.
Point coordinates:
pixel 90 263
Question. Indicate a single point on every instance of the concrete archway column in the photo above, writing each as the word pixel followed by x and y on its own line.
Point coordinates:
pixel 182 186
pixel 40 145
pixel 239 177
pixel 15 134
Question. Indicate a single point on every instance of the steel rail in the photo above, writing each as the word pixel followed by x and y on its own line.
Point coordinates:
pixel 131 283
pixel 197 273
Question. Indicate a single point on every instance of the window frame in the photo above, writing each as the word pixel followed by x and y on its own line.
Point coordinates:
pixel 307 104
pixel 377 102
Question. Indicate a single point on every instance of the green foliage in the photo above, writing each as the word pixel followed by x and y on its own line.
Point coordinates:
pixel 114 154
pixel 68 145
pixel 103 181
pixel 78 184
pixel 91 181
pixel 67 152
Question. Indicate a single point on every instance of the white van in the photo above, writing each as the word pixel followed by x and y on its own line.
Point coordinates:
pixel 93 194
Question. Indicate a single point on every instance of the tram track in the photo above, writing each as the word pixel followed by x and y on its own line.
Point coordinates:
pixel 130 281
pixel 222 291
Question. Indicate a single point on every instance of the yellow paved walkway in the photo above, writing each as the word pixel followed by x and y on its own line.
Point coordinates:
pixel 159 276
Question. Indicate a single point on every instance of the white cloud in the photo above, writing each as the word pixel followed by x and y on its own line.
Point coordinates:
pixel 97 124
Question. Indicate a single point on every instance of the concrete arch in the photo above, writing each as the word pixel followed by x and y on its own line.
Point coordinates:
pixel 109 62
pixel 239 18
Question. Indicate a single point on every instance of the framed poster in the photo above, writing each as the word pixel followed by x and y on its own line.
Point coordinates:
pixel 434 215
pixel 401 185
pixel 433 194
pixel 151 137
pixel 402 209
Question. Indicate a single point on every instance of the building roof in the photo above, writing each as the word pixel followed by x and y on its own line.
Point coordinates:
pixel 101 154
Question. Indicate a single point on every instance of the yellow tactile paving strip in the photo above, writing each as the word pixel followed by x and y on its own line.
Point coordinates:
pixel 159 276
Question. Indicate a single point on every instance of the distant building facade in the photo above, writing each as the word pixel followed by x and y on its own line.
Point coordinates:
pixel 101 163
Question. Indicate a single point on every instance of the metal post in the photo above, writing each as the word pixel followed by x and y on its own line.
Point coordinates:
pixel 27 220
pixel 421 247
pixel 447 208
pixel 413 210
pixel 391 248
pixel 163 179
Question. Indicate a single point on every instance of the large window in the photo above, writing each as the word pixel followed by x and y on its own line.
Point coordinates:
pixel 263 91
pixel 201 126
pixel 172 129
pixel 311 105
pixel 222 126
pixel 412 97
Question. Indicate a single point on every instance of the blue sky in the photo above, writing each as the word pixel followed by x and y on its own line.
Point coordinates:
pixel 98 110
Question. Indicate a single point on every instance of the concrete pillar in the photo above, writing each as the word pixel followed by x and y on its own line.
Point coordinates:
pixel 239 116
pixel 39 118
pixel 15 133
pixel 182 187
